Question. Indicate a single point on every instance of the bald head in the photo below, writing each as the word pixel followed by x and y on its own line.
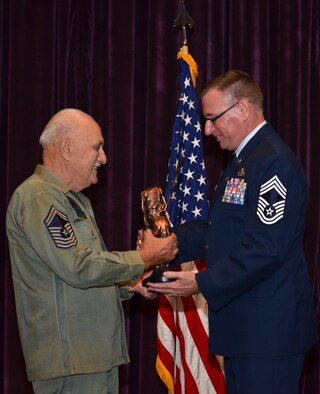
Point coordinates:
pixel 63 122
pixel 73 147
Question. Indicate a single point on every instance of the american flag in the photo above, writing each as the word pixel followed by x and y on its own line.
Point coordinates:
pixel 186 190
pixel 184 362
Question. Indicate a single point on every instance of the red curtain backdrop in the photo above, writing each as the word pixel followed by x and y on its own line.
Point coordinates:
pixel 117 61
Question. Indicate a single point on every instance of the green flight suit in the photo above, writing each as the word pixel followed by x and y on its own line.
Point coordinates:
pixel 68 287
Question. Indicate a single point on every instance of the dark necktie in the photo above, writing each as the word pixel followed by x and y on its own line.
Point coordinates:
pixel 232 161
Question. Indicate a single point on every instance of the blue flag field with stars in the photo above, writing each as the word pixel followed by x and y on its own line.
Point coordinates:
pixel 186 186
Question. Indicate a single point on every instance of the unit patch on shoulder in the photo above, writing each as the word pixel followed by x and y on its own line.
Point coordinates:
pixel 272 200
pixel 60 229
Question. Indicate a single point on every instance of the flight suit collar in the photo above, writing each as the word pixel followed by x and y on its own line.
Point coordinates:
pixel 49 176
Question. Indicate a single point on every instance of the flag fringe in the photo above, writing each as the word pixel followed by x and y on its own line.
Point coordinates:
pixel 165 375
pixel 192 65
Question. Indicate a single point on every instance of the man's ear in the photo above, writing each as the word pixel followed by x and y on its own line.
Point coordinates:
pixel 65 147
pixel 244 107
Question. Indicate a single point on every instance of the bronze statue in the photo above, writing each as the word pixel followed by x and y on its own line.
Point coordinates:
pixel 154 212
pixel 155 218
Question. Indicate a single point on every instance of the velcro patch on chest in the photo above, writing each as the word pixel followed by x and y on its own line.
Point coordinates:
pixel 60 229
pixel 235 191
pixel 272 201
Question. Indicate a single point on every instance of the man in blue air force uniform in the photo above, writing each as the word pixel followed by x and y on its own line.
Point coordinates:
pixel 261 313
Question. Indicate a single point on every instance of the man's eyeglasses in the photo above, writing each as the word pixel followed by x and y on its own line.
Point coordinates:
pixel 215 118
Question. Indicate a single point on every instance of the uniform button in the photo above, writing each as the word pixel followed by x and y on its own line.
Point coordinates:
pixel 210 222
pixel 206 247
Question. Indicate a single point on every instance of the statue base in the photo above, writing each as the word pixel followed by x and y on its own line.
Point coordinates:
pixel 157 276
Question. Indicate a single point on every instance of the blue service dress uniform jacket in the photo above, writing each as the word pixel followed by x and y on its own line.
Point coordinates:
pixel 256 283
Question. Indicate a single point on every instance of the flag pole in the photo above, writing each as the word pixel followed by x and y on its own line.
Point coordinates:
pixel 182 326
pixel 182 21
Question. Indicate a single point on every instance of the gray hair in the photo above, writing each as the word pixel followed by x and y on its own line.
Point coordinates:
pixel 61 123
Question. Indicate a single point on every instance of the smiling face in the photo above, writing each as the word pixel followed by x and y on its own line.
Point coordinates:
pixel 230 128
pixel 86 153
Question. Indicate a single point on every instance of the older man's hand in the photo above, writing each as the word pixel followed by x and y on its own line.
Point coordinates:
pixel 137 287
pixel 155 251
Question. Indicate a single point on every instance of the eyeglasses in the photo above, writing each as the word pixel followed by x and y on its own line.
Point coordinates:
pixel 215 118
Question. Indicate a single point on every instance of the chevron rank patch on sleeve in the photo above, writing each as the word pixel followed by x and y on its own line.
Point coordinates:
pixel 272 200
pixel 60 229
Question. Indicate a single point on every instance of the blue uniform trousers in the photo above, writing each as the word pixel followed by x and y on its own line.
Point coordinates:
pixel 268 375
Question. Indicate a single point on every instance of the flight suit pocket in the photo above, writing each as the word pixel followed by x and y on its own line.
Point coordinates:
pixel 84 229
